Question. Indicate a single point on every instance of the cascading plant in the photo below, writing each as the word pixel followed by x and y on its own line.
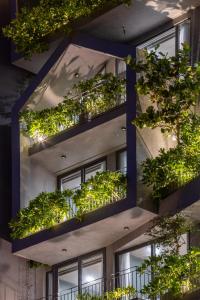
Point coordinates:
pixel 172 86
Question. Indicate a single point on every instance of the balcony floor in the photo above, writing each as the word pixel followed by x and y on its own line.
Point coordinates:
pixel 85 239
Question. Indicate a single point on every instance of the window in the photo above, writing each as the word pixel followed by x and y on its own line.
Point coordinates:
pixel 83 275
pixel 73 180
pixel 122 161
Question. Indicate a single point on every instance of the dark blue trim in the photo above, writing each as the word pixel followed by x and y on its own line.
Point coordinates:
pixel 114 49
pixel 181 199
pixel 131 134
pixel 98 215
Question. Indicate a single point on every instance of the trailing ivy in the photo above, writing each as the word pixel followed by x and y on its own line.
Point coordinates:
pixel 172 86
pixel 49 209
pixel 33 26
pixel 173 273
pixel 94 96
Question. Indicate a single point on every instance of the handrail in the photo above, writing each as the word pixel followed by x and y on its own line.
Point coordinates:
pixel 96 289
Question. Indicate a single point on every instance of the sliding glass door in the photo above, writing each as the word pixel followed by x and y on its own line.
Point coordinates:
pixel 83 276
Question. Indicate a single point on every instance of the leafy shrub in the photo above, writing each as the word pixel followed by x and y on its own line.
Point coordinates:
pixel 45 211
pixel 32 27
pixel 49 209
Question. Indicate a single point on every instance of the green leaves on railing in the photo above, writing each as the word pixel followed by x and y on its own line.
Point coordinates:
pixel 94 96
pixel 114 294
pixel 174 272
pixel 32 27
pixel 49 209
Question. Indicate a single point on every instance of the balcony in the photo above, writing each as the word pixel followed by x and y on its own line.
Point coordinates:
pixel 124 285
pixel 50 209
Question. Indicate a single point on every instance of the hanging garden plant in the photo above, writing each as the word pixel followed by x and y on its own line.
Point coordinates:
pixel 50 209
pixel 33 26
pixel 102 189
pixel 172 86
pixel 45 211
pixel 94 96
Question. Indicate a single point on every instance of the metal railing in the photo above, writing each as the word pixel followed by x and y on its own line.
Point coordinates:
pixel 92 205
pixel 96 289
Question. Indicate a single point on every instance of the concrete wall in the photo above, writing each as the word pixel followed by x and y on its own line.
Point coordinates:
pixel 17 280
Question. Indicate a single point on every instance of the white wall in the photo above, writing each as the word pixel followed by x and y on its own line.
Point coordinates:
pixel 34 178
pixel 17 280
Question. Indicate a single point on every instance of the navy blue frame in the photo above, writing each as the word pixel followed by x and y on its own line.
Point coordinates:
pixel 109 48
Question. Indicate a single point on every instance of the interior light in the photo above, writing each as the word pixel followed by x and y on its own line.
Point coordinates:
pixel 123 128
pixel 63 156
pixel 89 278
pixel 76 75
pixel 126 228
pixel 40 138
pixel 64 250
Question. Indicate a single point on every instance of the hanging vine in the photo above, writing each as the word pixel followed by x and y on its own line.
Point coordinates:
pixel 172 86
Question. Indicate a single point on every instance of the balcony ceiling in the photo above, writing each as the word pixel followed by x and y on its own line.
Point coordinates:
pixel 92 144
pixel 75 64
pixel 124 24
pixel 88 238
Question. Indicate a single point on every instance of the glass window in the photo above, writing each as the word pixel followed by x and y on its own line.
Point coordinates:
pixel 92 273
pixel 92 170
pixel 68 280
pixel 49 286
pixel 183 33
pixel 72 181
pixel 122 161
pixel 128 263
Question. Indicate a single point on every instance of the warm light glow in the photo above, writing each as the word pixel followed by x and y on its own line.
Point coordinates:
pixel 174 139
pixel 89 278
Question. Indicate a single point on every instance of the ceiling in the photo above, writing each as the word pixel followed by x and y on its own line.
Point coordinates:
pixel 126 23
pixel 75 64
pixel 92 144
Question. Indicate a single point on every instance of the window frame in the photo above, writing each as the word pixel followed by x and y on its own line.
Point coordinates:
pixel 78 259
pixel 82 169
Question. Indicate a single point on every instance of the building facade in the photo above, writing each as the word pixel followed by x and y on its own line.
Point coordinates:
pixel 92 157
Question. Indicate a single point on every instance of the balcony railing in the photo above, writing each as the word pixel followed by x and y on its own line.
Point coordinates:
pixel 98 289
pixel 75 110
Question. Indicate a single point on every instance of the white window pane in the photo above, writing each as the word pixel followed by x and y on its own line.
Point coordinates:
pixel 92 170
pixel 71 181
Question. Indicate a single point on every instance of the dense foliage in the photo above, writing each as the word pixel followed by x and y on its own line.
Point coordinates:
pixel 33 26
pixel 173 273
pixel 100 190
pixel 94 96
pixel 49 209
pixel 45 211
pixel 172 86
pixel 115 294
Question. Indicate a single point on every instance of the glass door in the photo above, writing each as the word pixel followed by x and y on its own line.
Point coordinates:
pixel 128 263
pixel 68 282
pixel 91 275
